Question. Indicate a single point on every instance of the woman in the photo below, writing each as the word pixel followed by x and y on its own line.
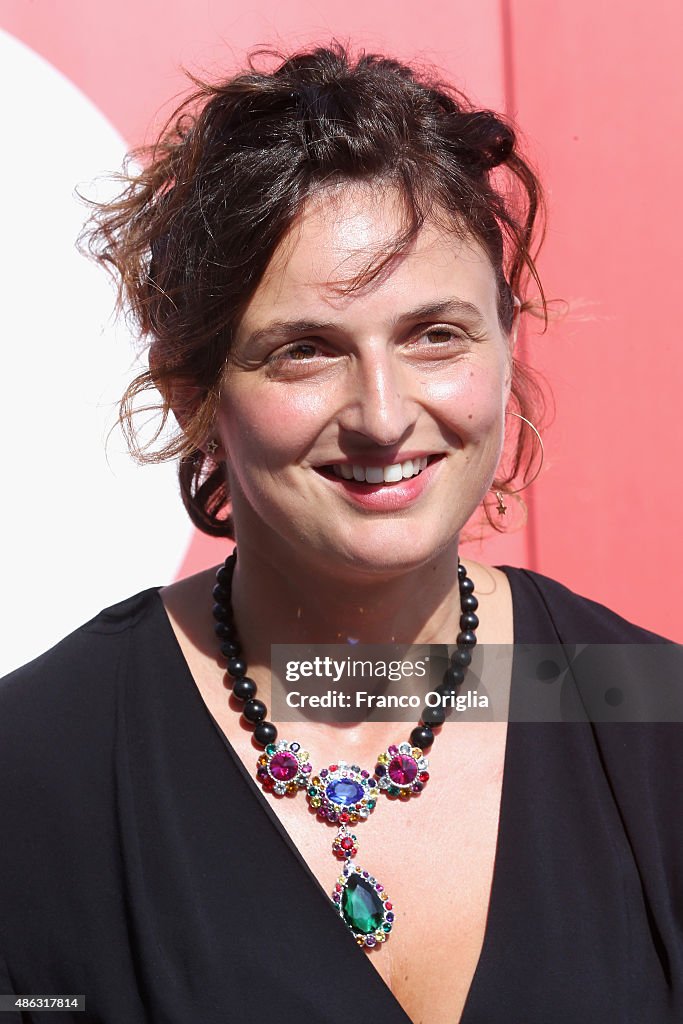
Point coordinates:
pixel 328 262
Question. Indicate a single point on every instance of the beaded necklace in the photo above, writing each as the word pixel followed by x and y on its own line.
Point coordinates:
pixel 344 794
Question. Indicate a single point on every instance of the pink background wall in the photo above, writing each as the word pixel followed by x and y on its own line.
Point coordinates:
pixel 597 91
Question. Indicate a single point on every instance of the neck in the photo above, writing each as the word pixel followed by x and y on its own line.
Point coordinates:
pixel 292 604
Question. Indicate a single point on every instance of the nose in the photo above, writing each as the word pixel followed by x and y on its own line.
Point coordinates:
pixel 379 403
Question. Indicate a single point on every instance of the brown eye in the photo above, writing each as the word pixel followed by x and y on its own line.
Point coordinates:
pixel 300 352
pixel 440 335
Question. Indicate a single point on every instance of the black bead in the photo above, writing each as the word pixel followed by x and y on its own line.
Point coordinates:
pixel 237 667
pixel 453 676
pixel 254 710
pixel 224 577
pixel 224 631
pixel 265 733
pixel 466 586
pixel 469 621
pixel 461 657
pixel 230 648
pixel 466 639
pixel 243 688
pixel 221 613
pixel 468 603
pixel 447 690
pixel 220 594
pixel 462 571
pixel 422 737
pixel 434 716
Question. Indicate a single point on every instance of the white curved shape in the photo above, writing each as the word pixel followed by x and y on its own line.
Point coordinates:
pixel 78 532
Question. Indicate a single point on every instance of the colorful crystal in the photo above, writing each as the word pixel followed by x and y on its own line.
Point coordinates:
pixel 284 766
pixel 362 909
pixel 403 770
pixel 344 792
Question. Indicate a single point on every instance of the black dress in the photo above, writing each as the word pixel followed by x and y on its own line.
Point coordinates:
pixel 141 865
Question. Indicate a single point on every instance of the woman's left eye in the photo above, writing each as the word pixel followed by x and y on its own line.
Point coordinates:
pixel 442 336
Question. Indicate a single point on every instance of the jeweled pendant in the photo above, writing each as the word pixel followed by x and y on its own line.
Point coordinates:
pixel 363 906
pixel 401 771
pixel 343 793
pixel 284 768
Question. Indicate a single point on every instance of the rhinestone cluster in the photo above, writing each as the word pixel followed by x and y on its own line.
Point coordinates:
pixel 363 905
pixel 284 768
pixel 343 793
pixel 402 771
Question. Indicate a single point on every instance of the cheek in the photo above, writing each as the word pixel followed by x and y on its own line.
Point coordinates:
pixel 270 429
pixel 471 403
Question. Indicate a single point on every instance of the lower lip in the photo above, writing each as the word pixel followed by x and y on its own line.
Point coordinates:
pixel 385 497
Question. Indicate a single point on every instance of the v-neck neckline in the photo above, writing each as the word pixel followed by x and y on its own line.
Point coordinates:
pixel 503 839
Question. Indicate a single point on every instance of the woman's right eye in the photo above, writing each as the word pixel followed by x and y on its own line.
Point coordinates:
pixel 298 357
pixel 300 351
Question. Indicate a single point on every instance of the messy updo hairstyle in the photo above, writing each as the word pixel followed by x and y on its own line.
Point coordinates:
pixel 203 209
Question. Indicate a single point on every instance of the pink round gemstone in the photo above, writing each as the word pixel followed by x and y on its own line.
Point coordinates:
pixel 283 766
pixel 402 770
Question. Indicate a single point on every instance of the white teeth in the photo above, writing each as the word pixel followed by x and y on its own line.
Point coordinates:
pixel 379 474
pixel 392 474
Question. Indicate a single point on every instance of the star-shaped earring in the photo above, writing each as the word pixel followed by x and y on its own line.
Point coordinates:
pixel 212 447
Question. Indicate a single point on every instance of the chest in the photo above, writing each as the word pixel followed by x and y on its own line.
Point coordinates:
pixel 435 856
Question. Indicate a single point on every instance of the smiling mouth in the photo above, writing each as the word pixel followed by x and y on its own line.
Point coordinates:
pixel 379 474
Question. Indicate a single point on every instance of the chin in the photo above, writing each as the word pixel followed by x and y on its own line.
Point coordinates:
pixel 378 553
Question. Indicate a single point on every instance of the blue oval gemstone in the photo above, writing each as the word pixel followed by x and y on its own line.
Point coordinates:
pixel 345 792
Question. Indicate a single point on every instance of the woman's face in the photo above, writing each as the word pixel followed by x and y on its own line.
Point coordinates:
pixel 334 403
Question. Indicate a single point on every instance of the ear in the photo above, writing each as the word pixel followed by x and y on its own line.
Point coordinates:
pixel 183 400
pixel 512 340
pixel 516 316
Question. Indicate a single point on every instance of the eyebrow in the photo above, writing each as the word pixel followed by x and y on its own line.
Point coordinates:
pixel 283 328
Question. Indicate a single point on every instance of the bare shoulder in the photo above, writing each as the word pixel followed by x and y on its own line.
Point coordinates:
pixel 189 597
pixel 188 604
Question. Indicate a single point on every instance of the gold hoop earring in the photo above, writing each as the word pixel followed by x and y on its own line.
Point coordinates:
pixel 501 507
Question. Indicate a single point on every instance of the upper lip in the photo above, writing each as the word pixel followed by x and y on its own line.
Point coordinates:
pixel 380 461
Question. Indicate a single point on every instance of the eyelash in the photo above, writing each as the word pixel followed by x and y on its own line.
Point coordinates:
pixel 282 355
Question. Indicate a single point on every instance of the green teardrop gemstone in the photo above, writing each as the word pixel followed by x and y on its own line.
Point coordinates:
pixel 362 908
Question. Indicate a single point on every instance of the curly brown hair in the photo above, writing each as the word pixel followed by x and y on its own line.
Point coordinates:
pixel 189 237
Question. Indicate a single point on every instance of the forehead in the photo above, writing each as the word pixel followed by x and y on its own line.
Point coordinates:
pixel 340 231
